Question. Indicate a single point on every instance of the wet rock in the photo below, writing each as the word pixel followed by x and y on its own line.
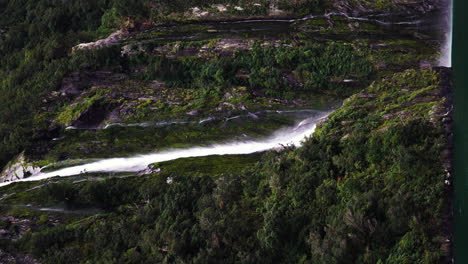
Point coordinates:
pixel 198 12
pixel 228 96
pixel 221 8
pixel 346 122
pixel 447 120
pixel 441 113
pixel 227 46
pixel 18 169
pixel 400 114
pixel 345 137
pixel 119 113
pixel 365 95
pixel 111 39
pixel 94 116
pixel 195 112
pixel 252 115
pixel 151 169
pixel 148 98
pixel 225 105
pixel 132 49
pixel 275 11
pixel 114 116
pixel 322 121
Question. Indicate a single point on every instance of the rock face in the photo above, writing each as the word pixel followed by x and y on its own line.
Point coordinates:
pixel 78 82
pixel 111 39
pixel 151 169
pixel 18 169
pixel 94 116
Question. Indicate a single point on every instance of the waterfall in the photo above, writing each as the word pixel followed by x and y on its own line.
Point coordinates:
pixel 445 58
pixel 287 136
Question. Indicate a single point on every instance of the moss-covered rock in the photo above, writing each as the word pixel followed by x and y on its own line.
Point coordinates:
pixel 18 168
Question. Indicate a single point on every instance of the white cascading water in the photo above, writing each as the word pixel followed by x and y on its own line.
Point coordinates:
pixel 288 136
pixel 445 59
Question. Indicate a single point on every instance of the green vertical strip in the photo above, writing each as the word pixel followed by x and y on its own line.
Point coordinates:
pixel 460 75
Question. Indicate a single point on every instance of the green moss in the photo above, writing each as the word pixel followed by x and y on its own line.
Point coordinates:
pixel 210 165
pixel 73 111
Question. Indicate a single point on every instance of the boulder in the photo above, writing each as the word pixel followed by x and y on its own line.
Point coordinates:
pixel 17 169
pixel 151 169
pixel 113 38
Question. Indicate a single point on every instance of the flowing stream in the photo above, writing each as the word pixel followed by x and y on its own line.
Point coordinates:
pixel 283 137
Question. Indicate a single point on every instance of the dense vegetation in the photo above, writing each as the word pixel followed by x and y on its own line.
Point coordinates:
pixel 36 38
pixel 367 187
pixel 35 42
pixel 316 68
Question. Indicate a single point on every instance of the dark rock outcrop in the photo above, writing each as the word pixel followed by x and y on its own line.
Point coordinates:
pixel 75 83
pixel 94 116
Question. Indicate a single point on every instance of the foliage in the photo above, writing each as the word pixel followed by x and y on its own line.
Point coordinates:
pixel 366 188
pixel 354 193
pixel 304 68
pixel 71 112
